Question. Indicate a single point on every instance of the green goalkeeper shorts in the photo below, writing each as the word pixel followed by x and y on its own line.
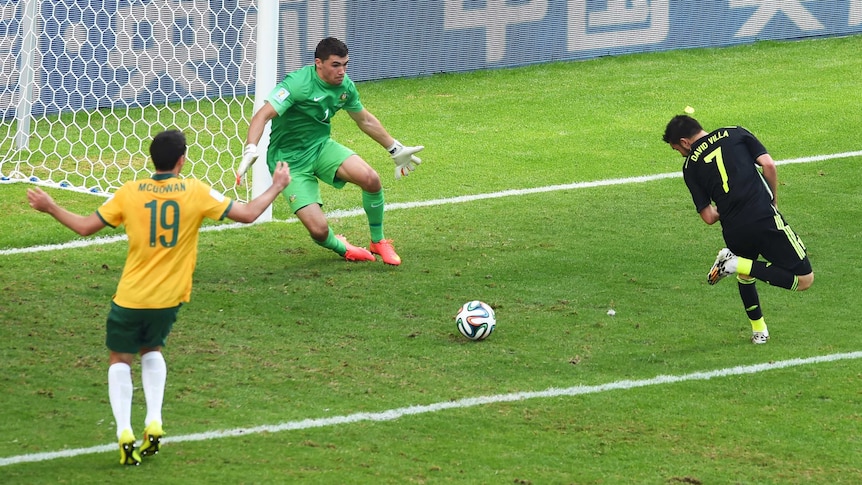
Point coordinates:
pixel 131 329
pixel 321 164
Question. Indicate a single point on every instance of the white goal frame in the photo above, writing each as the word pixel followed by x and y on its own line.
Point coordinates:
pixel 93 142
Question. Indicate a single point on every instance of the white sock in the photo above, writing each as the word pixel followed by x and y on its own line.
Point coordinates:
pixel 154 373
pixel 732 264
pixel 120 393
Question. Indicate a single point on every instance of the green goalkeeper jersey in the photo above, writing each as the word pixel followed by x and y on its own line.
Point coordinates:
pixel 305 105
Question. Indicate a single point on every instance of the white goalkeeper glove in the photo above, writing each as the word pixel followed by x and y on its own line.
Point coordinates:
pixel 404 158
pixel 249 156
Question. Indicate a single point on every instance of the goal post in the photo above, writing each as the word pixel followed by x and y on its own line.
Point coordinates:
pixel 28 50
pixel 265 78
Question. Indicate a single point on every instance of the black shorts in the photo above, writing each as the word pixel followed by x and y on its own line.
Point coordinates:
pixel 772 239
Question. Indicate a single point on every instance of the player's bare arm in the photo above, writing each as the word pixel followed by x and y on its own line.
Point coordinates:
pixel 770 173
pixel 404 157
pixel 371 126
pixel 83 225
pixel 258 123
pixel 255 132
pixel 709 214
pixel 250 212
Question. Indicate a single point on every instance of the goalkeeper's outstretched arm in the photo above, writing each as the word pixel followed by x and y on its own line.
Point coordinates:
pixel 255 132
pixel 404 157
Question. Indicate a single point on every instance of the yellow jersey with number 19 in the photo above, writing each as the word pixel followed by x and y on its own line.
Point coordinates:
pixel 162 217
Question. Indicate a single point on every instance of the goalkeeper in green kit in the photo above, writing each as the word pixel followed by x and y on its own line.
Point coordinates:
pixel 301 108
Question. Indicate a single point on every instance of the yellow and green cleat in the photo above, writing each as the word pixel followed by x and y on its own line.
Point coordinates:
pixel 152 439
pixel 128 454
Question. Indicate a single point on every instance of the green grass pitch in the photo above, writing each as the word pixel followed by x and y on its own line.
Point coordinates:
pixel 281 332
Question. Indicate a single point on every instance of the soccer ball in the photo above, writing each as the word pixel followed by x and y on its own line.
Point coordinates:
pixel 476 320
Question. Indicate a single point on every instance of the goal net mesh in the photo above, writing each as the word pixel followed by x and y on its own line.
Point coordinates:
pixel 85 85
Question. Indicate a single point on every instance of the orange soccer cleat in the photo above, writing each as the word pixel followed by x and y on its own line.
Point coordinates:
pixel 387 253
pixel 355 253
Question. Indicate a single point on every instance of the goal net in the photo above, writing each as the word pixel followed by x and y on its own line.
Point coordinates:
pixel 86 84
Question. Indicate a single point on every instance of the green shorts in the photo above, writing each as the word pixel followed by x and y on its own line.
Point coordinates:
pixel 319 163
pixel 129 329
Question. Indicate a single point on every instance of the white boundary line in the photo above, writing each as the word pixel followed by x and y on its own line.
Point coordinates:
pixel 397 413
pixel 427 203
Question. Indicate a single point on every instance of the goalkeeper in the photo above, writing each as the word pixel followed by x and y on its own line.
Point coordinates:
pixel 301 108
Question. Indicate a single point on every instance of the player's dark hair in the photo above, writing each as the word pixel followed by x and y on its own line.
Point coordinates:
pixel 679 127
pixel 330 46
pixel 167 148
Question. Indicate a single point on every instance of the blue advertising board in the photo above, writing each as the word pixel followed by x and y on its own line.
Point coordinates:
pixel 116 53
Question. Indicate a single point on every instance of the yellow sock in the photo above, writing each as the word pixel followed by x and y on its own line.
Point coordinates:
pixel 743 266
pixel 758 325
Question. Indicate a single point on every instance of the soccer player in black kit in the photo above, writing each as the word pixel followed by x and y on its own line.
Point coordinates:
pixel 732 179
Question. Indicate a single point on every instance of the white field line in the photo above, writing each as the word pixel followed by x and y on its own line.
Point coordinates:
pixel 393 414
pixel 398 413
pixel 434 202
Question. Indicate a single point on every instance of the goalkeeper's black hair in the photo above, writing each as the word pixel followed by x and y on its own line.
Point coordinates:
pixel 679 127
pixel 167 148
pixel 330 46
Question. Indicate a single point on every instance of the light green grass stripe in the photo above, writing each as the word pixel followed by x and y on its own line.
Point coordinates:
pixel 398 413
pixel 97 241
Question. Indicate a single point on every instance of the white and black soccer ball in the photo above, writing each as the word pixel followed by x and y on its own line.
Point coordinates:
pixel 476 320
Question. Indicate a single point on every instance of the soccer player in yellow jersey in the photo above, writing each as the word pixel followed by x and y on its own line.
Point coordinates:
pixel 162 216
pixel 300 109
